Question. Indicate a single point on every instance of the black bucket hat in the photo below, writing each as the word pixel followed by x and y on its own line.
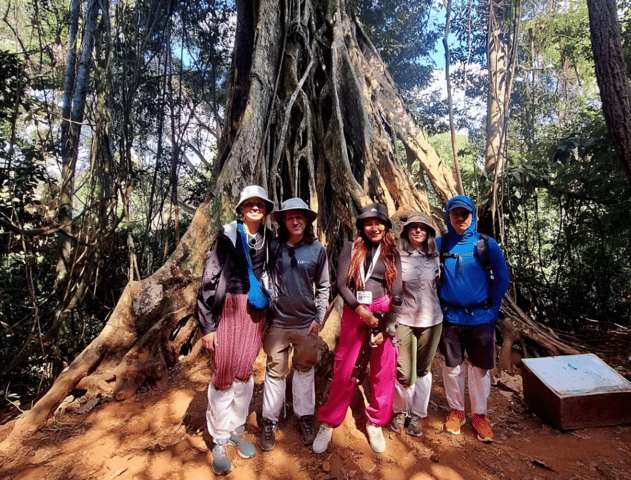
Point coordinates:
pixel 373 210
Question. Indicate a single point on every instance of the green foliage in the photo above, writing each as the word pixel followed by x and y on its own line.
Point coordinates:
pixel 10 79
pixel 442 144
pixel 560 35
pixel 469 24
pixel 404 35
pixel 568 236
pixel 21 164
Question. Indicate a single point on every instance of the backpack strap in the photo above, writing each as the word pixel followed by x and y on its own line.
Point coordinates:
pixel 220 293
pixel 441 258
pixel 482 254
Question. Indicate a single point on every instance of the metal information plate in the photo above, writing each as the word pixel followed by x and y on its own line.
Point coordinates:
pixel 577 374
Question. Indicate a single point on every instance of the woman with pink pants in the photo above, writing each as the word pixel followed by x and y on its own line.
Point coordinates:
pixel 368 279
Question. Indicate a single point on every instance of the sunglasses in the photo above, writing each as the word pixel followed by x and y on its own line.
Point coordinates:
pixel 252 244
pixel 292 254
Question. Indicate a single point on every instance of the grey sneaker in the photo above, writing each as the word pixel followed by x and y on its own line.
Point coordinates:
pixel 305 425
pixel 266 440
pixel 322 440
pixel 414 427
pixel 221 462
pixel 244 447
pixel 398 422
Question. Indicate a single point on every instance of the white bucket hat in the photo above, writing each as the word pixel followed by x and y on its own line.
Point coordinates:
pixel 254 191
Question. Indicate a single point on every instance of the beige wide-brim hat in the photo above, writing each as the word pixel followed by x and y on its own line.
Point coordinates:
pixel 294 204
pixel 254 191
pixel 419 217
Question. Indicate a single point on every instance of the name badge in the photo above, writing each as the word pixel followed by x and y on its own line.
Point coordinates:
pixel 365 298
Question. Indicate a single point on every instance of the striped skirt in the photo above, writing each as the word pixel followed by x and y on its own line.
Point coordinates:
pixel 238 341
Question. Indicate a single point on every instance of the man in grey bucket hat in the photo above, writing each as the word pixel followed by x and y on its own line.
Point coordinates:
pixel 298 313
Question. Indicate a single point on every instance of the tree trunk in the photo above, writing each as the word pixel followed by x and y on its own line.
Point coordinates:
pixel 611 74
pixel 75 91
pixel 504 24
pixel 452 128
pixel 497 55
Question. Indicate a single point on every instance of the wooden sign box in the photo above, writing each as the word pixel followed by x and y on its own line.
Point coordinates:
pixel 576 391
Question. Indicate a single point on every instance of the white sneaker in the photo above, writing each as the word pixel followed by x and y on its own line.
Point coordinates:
pixel 375 437
pixel 322 440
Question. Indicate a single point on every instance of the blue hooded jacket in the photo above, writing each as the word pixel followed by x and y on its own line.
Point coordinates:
pixel 465 281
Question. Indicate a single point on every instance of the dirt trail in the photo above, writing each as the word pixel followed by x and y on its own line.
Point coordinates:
pixel 161 435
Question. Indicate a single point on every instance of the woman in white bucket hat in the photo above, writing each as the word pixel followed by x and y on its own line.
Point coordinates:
pixel 231 329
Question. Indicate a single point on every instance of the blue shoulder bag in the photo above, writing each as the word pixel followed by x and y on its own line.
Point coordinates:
pixel 259 297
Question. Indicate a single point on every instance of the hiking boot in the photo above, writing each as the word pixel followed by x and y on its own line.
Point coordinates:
pixel 221 462
pixel 454 421
pixel 305 425
pixel 398 422
pixel 245 448
pixel 375 437
pixel 414 427
pixel 482 427
pixel 322 440
pixel 266 440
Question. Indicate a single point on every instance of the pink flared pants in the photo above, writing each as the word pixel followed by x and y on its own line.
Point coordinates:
pixel 383 363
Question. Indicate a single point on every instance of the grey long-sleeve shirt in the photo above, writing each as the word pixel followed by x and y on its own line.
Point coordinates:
pixel 421 274
pixel 296 271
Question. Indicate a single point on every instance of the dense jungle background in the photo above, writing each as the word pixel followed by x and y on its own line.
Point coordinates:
pixel 128 128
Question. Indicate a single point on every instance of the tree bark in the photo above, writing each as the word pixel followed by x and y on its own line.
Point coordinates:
pixel 75 92
pixel 452 128
pixel 497 55
pixel 504 24
pixel 611 74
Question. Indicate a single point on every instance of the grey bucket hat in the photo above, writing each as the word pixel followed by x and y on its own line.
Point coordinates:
pixel 419 217
pixel 254 191
pixel 373 210
pixel 294 204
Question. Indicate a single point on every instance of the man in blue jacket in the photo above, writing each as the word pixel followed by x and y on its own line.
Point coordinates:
pixel 470 300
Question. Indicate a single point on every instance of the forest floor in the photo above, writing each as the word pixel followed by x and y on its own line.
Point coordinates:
pixel 160 434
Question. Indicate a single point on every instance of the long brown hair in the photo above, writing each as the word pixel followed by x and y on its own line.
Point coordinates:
pixel 360 250
pixel 283 233
pixel 429 245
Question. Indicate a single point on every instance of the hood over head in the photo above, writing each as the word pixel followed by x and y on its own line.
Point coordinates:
pixel 461 201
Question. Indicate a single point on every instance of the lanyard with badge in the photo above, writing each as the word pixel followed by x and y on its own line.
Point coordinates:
pixel 364 297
